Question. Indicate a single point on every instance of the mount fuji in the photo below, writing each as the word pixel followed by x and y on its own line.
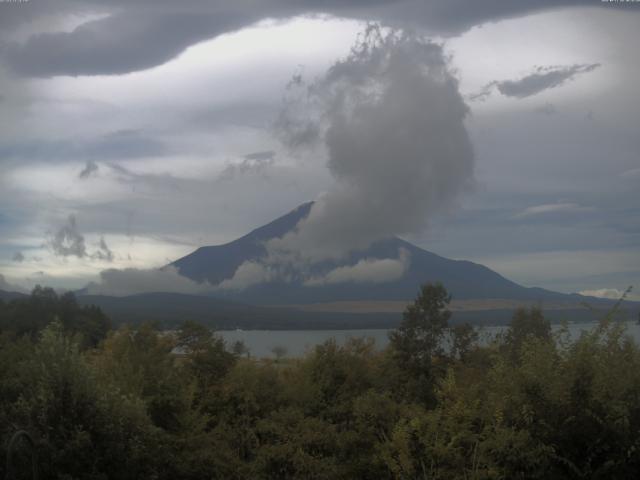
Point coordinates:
pixel 465 280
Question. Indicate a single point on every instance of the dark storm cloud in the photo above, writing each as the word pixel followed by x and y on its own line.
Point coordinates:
pixel 124 42
pixel 18 257
pixel 543 78
pixel 15 14
pixel 68 241
pixel 139 35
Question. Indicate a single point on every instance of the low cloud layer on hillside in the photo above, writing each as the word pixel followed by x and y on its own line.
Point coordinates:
pixel 132 281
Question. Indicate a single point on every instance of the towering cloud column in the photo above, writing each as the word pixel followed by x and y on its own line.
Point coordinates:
pixel 391 120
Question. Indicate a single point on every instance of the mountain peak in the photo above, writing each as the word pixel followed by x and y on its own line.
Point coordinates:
pixel 280 226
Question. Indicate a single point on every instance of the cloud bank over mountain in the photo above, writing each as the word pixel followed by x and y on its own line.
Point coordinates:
pixel 367 270
pixel 132 281
pixel 390 118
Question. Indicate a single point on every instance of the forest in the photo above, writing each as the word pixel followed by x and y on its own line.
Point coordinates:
pixel 80 399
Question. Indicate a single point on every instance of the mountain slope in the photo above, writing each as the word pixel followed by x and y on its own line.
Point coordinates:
pixel 464 279
pixel 218 263
pixel 8 296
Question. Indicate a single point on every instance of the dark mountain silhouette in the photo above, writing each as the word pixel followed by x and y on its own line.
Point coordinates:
pixel 464 279
pixel 7 296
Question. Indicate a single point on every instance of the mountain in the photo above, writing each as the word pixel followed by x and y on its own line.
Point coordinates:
pixel 463 279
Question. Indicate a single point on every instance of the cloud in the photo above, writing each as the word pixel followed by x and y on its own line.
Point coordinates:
pixel 552 208
pixel 481 95
pixel 132 281
pixel 18 257
pixel 247 274
pixel 257 162
pixel 612 293
pixel 633 173
pixel 68 241
pixel 125 143
pixel 117 145
pixel 104 252
pixel 103 46
pixel 367 270
pixel 546 109
pixel 543 78
pixel 161 30
pixel 391 121
pixel 263 156
pixel 89 169
pixel 9 287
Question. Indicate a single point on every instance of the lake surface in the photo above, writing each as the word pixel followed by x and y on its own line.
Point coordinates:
pixel 298 342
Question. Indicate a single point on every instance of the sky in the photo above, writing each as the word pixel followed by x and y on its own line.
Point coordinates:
pixel 507 133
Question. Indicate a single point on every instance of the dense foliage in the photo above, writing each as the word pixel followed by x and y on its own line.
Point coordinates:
pixel 144 404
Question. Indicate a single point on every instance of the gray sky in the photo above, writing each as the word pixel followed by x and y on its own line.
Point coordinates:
pixel 133 132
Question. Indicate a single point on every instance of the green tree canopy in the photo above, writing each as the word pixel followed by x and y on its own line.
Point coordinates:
pixel 419 337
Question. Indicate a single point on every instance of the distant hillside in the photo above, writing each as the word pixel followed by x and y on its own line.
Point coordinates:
pixel 463 279
pixel 6 296
pixel 170 309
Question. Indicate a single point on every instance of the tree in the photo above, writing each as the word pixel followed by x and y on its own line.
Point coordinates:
pixel 140 363
pixel 240 349
pixel 463 338
pixel 280 352
pixel 82 427
pixel 206 354
pixel 526 324
pixel 30 315
pixel 420 335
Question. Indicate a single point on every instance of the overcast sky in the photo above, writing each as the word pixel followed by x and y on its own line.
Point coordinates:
pixel 133 132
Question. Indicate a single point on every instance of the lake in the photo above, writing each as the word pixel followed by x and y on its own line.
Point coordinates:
pixel 298 342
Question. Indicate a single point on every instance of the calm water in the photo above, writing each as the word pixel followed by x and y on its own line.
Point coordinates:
pixel 297 342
